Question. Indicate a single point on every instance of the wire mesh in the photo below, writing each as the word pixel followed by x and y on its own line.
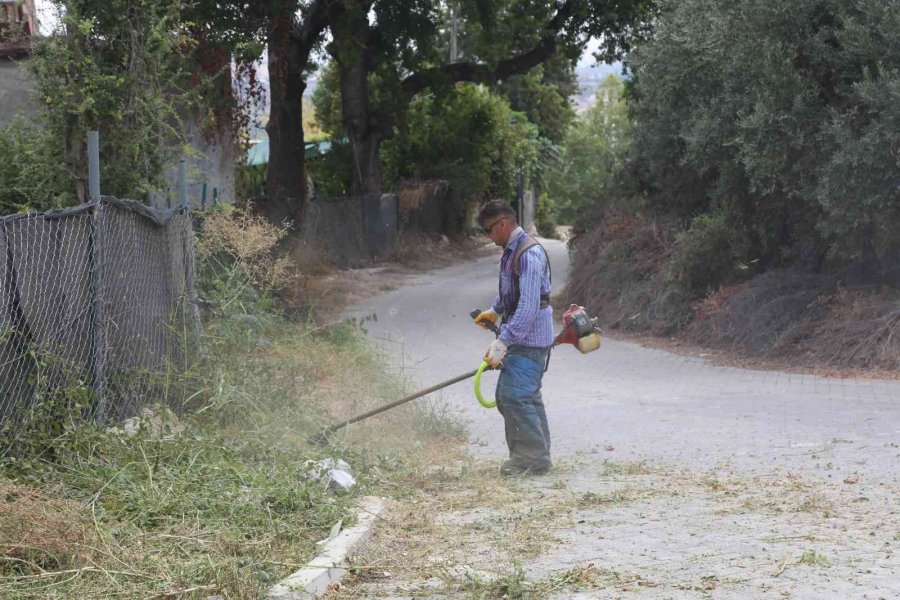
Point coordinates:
pixel 97 312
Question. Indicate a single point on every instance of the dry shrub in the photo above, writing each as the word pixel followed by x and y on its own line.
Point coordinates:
pixel 802 319
pixel 795 317
pixel 618 274
pixel 251 242
pixel 757 317
pixel 860 330
pixel 38 532
pixel 714 302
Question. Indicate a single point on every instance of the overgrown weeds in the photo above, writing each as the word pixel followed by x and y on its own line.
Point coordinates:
pixel 219 504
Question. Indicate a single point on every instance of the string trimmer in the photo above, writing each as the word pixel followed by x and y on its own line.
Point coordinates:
pixel 578 329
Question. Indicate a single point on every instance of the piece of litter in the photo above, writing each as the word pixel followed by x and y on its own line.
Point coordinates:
pixel 334 473
pixel 335 530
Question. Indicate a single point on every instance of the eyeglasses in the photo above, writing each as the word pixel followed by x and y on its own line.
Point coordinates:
pixel 487 230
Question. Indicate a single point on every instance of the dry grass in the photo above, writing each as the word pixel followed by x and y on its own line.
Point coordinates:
pixel 223 507
pixel 778 494
pixel 803 321
pixel 460 528
pixel 39 533
pixel 460 531
pixel 250 241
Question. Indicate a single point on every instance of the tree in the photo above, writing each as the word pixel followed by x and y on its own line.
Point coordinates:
pixel 111 68
pixel 469 135
pixel 290 31
pixel 779 118
pixel 385 61
pixel 291 40
pixel 594 152
pixel 858 186
pixel 729 102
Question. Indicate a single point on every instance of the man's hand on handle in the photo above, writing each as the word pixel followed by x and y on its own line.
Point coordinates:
pixel 495 353
pixel 487 319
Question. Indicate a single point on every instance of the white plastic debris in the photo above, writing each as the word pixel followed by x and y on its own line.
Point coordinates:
pixel 157 420
pixel 335 474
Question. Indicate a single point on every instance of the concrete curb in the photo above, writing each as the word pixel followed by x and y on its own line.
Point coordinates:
pixel 331 564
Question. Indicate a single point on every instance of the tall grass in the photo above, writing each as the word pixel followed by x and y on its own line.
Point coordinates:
pixel 218 504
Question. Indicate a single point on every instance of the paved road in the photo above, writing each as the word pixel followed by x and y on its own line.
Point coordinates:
pixel 647 404
pixel 753 470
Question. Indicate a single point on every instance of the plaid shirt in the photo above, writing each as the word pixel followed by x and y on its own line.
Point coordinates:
pixel 530 325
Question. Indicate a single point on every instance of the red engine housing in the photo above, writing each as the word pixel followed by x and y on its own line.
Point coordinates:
pixel 576 325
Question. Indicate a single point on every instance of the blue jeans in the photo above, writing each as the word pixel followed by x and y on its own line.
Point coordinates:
pixel 519 401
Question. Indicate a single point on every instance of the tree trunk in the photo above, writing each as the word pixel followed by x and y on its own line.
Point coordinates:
pixel 350 33
pixel 286 176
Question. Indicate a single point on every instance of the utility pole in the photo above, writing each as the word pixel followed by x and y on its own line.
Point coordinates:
pixel 454 32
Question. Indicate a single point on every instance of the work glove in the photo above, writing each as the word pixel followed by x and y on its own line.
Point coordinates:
pixel 487 318
pixel 495 353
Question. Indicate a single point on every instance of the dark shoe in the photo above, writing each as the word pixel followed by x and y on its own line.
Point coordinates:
pixel 512 468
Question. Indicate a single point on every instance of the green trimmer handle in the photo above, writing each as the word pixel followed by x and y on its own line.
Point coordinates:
pixel 481 400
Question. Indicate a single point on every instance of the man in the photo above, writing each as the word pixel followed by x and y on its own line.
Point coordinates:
pixel 526 335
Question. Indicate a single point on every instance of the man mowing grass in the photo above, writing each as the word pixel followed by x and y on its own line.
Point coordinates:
pixel 526 335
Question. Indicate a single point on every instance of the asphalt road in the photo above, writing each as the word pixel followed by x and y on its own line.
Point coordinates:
pixel 757 484
pixel 646 404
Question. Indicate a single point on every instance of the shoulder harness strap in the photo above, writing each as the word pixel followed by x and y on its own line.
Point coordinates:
pixel 527 243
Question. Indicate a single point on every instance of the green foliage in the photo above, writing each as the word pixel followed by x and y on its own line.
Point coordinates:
pixel 468 135
pixel 703 258
pixel 330 173
pixel 130 70
pixel 55 411
pixel 249 181
pixel 593 154
pixel 30 179
pixel 780 115
pixel 859 185
pixel 112 67
pixel 326 100
pixel 546 216
pixel 543 95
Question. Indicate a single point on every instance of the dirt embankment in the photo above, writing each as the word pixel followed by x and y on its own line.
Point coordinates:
pixel 785 318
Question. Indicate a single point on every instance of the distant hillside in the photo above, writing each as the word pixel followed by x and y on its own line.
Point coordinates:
pixel 589 77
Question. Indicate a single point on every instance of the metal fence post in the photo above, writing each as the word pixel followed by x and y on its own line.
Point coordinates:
pixel 95 259
pixel 94 166
pixel 190 267
pixel 182 182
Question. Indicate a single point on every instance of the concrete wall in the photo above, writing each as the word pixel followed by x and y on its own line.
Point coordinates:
pixel 528 211
pixel 432 207
pixel 16 92
pixel 335 229
pixel 215 154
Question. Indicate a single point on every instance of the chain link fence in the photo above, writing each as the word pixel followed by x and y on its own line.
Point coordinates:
pixel 98 312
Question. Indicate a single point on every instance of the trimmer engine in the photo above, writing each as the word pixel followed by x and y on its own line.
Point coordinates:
pixel 579 330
